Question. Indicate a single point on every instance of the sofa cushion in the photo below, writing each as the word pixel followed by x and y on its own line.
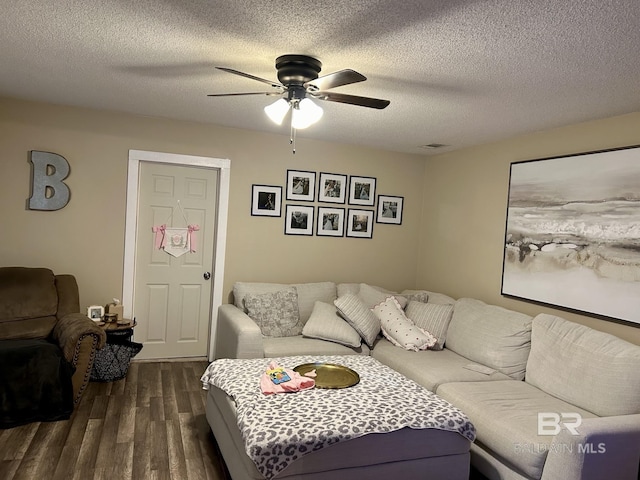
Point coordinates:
pixel 430 368
pixel 371 296
pixel 505 414
pixel 325 324
pixel 431 317
pixel 398 329
pixel 277 347
pixel 490 335
pixel 308 293
pixel 344 288
pixel 276 313
pixel 359 316
pixel 593 370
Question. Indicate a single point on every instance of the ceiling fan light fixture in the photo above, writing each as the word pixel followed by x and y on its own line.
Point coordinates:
pixel 277 110
pixel 305 113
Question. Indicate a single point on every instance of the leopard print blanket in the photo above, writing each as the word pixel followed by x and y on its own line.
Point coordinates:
pixel 278 429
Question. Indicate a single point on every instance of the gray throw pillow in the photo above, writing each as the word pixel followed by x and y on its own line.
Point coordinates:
pixel 276 313
pixel 325 324
pixel 416 295
pixel 359 316
pixel 431 317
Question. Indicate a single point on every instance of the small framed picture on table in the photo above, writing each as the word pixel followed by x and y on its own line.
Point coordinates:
pixel 95 312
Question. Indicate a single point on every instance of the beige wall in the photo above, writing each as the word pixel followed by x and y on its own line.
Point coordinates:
pixel 465 204
pixel 86 237
pixel 453 223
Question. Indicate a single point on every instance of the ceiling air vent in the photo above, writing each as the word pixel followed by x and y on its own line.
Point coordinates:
pixel 433 146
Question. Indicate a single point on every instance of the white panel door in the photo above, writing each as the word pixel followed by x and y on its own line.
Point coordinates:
pixel 172 295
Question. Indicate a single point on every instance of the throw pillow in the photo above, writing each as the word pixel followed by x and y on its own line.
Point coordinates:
pixel 433 297
pixel 431 317
pixel 325 324
pixel 416 295
pixel 399 330
pixel 276 313
pixel 371 296
pixel 359 316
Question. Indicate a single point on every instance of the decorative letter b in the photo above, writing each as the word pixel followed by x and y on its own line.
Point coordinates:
pixel 48 192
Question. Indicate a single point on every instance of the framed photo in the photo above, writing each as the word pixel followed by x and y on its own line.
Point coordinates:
pixel 266 200
pixel 301 185
pixel 360 223
pixel 330 222
pixel 298 220
pixel 389 209
pixel 571 237
pixel 95 312
pixel 362 190
pixel 332 188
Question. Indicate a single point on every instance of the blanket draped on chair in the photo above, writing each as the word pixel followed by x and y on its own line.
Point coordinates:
pixel 35 383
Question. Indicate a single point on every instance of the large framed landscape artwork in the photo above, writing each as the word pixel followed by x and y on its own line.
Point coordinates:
pixel 573 233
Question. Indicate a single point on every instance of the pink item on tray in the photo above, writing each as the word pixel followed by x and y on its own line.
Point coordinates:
pixel 277 379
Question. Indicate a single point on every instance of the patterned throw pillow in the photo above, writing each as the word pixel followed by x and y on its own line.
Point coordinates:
pixel 416 295
pixel 399 330
pixel 431 317
pixel 275 313
pixel 325 324
pixel 359 316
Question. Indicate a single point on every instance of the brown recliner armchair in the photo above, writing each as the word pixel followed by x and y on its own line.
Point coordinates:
pixel 36 304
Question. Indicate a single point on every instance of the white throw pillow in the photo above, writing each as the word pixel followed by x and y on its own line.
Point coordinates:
pixel 276 313
pixel 359 316
pixel 399 330
pixel 431 317
pixel 325 324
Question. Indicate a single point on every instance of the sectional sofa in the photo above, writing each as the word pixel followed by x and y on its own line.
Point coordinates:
pixel 550 399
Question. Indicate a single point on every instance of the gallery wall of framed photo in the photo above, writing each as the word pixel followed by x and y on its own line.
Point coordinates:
pixel 327 204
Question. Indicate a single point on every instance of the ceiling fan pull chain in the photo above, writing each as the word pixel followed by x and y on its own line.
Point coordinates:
pixel 292 136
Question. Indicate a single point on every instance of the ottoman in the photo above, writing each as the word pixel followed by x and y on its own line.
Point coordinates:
pixel 359 443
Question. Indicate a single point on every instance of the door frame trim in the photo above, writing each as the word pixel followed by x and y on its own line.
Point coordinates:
pixel 223 165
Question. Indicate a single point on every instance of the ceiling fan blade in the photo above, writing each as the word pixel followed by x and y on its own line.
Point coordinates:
pixel 336 79
pixel 246 93
pixel 252 77
pixel 352 99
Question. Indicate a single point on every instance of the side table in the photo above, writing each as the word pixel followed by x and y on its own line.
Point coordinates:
pixel 112 361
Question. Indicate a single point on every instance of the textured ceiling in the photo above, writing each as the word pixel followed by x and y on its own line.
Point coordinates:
pixel 457 72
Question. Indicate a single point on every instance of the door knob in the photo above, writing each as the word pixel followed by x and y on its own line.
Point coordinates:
pixel 207 275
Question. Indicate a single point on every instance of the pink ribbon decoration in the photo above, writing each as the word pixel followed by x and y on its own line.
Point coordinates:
pixel 161 239
pixel 192 237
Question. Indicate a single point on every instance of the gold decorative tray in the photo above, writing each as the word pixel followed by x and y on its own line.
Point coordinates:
pixel 330 375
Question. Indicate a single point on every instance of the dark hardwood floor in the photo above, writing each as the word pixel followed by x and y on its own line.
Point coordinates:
pixel 150 425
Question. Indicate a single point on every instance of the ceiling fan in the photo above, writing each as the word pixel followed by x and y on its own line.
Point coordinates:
pixel 299 83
